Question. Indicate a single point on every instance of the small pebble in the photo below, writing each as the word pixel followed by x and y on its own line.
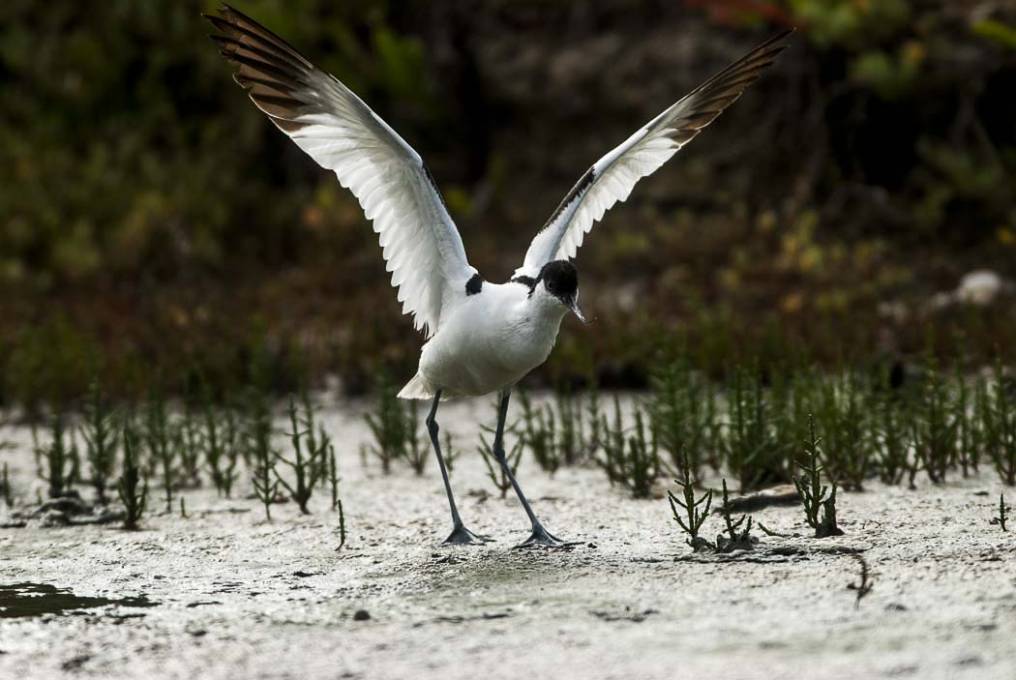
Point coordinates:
pixel 361 615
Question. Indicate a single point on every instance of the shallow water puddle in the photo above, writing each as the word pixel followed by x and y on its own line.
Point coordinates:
pixel 27 600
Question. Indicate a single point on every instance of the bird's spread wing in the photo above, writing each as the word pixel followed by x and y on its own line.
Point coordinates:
pixel 612 178
pixel 421 246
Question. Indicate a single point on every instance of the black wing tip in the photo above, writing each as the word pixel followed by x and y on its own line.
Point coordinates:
pixel 782 35
pixel 231 16
pixel 227 18
pixel 779 41
pixel 226 8
pixel 221 24
pixel 237 25
pixel 223 11
pixel 771 46
pixel 761 57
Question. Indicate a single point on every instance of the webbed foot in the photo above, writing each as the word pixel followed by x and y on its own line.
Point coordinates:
pixel 462 536
pixel 541 538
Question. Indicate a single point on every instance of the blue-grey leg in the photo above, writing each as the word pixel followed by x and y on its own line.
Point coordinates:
pixel 460 534
pixel 540 536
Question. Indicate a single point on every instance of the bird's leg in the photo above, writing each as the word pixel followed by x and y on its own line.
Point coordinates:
pixel 460 534
pixel 540 536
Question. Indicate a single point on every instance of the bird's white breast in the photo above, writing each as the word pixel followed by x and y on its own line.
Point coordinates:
pixel 491 340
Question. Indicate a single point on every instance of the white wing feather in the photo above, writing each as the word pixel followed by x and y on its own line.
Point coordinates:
pixel 421 246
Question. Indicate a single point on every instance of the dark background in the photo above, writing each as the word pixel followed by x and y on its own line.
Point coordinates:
pixel 156 230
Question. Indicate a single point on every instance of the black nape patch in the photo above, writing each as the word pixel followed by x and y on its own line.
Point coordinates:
pixel 525 281
pixel 474 285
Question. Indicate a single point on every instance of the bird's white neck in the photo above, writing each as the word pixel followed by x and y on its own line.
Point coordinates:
pixel 545 306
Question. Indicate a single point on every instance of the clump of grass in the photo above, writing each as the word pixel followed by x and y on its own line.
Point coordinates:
pixel 612 442
pixel 1003 513
pixel 264 478
pixel 159 440
pixel 889 439
pixel 998 417
pixel 396 430
pixel 386 424
pixel 57 457
pixel 305 465
pixel 633 461
pixel 332 477
pixel 495 471
pixel 818 499
pixel 687 510
pixel 792 400
pixel 714 434
pixel 569 440
pixel 683 412
pixel 934 428
pixel 220 444
pixel 187 438
pixel 842 418
pixel 132 488
pixel 342 523
pixel 539 432
pixel 969 435
pixel 101 440
pixel 317 437
pixel 5 487
pixel 754 451
pixel 736 538
pixel 415 450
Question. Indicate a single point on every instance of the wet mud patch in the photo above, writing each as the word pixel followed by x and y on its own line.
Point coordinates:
pixel 31 600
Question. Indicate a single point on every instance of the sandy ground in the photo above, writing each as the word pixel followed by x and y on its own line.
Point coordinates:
pixel 228 595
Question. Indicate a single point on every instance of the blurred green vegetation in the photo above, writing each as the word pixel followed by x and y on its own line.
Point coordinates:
pixel 154 228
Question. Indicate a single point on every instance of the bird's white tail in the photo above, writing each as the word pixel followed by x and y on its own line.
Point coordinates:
pixel 418 388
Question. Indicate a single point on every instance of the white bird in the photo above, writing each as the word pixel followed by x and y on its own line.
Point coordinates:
pixel 481 337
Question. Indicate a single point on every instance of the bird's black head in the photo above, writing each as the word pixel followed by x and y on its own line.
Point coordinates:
pixel 561 279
